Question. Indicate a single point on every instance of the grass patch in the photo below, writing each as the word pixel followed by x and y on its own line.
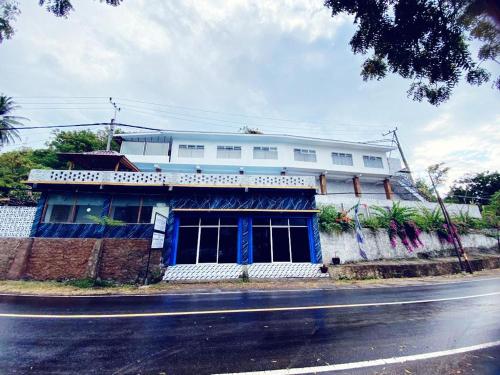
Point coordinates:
pixel 89 283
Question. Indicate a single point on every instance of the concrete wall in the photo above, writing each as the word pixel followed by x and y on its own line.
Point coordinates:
pixel 343 202
pixel 377 245
pixel 121 260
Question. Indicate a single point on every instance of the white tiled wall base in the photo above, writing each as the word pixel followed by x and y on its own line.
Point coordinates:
pixel 16 221
pixel 202 272
pixel 282 270
pixel 233 271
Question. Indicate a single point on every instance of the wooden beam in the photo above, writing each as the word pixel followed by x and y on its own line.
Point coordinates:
pixel 357 186
pixel 388 189
pixel 322 183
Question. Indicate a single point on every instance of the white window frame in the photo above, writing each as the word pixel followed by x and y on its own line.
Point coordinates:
pixel 303 154
pixel 344 158
pixel 228 152
pixel 288 226
pixel 367 159
pixel 271 152
pixel 196 151
pixel 200 226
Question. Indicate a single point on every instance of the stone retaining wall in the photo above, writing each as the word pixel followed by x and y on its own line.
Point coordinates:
pixel 121 260
pixel 378 246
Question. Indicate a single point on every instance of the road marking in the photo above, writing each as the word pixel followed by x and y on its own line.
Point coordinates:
pixel 234 311
pixel 219 292
pixel 371 363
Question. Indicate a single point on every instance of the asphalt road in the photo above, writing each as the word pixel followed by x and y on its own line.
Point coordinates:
pixel 256 331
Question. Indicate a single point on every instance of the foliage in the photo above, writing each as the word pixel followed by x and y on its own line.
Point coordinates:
pixel 399 223
pixel 425 190
pixel 438 173
pixel 371 222
pixel 331 220
pixel 9 11
pixel 464 222
pixel 424 41
pixel 491 212
pixel 429 220
pixel 89 283
pixel 8 123
pixel 105 220
pixel 249 130
pixel 475 188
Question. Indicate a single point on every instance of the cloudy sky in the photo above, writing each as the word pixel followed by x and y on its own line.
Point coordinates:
pixel 282 66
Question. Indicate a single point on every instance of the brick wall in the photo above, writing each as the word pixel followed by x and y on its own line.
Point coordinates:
pixel 121 260
pixel 125 259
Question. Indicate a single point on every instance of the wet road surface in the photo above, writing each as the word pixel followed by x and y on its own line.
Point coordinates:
pixel 323 332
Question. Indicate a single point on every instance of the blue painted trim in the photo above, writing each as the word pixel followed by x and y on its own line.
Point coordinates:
pixel 175 240
pixel 239 256
pixel 38 215
pixel 250 240
pixel 312 248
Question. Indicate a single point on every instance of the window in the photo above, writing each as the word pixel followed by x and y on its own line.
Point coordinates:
pixel 228 152
pixel 304 155
pixel 73 209
pixel 132 148
pixel 156 148
pixel 280 240
pixel 125 209
pixel 264 152
pixel 207 240
pixel 340 158
pixel 373 161
pixel 191 151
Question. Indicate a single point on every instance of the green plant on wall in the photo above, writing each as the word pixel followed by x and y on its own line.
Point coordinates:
pixel 332 220
pixel 105 220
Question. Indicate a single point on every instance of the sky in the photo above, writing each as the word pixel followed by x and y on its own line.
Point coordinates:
pixel 283 66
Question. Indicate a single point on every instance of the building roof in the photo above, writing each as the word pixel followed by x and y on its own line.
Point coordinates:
pixel 99 160
pixel 221 136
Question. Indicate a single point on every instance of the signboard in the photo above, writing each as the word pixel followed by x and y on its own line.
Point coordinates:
pixel 157 240
pixel 160 223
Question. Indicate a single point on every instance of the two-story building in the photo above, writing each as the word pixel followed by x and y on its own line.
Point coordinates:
pixel 230 199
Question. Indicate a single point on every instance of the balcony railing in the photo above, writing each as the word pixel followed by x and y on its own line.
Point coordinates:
pixel 44 176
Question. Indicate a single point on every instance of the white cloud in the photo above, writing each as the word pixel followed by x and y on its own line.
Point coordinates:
pixel 442 122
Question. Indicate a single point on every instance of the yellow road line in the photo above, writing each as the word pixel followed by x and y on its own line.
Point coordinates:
pixel 233 311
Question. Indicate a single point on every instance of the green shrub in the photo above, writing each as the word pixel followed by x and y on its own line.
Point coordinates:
pixel 89 283
pixel 429 220
pixel 372 223
pixel 331 220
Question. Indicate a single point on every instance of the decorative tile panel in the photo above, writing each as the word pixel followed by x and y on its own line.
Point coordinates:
pixel 284 270
pixel 16 221
pixel 171 179
pixel 202 272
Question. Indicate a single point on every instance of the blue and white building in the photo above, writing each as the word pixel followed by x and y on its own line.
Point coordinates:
pixel 231 200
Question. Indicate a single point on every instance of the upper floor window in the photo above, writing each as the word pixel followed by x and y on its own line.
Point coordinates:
pixel 340 158
pixel 373 161
pixel 132 148
pixel 265 152
pixel 83 209
pixel 304 155
pixel 228 152
pixel 191 151
pixel 156 148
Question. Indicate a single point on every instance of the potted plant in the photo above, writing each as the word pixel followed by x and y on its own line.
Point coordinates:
pixel 323 268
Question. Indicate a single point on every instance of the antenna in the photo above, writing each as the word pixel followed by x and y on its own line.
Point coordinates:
pixel 405 162
pixel 112 124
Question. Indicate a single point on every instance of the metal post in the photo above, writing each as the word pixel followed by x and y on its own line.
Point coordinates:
pixel 405 162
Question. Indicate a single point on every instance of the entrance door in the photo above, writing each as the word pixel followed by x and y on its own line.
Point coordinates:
pixel 280 240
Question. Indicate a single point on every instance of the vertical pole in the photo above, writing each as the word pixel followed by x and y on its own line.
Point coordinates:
pixel 322 183
pixel 388 189
pixel 405 162
pixel 357 186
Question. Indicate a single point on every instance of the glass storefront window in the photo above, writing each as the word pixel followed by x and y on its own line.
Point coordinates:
pixel 59 208
pixel 88 209
pixel 125 209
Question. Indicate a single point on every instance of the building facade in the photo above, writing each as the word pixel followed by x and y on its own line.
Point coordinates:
pixel 229 199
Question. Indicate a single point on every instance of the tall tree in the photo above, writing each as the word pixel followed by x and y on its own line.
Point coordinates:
pixel 9 11
pixel 426 41
pixel 8 122
pixel 475 188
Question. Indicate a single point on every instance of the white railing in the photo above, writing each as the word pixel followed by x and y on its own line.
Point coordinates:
pixel 41 176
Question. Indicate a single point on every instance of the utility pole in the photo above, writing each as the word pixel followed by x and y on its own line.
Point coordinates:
pixel 112 124
pixel 405 162
pixel 455 239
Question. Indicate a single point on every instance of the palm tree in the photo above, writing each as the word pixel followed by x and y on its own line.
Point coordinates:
pixel 8 123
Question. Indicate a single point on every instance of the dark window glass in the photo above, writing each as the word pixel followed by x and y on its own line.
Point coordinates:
pixel 209 221
pixel 146 213
pixel 208 245
pixel 229 221
pixel 300 244
pixel 189 221
pixel 298 221
pixel 186 246
pixel 281 245
pixel 260 221
pixel 127 214
pixel 261 241
pixel 228 244
pixel 85 213
pixel 279 221
pixel 60 213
